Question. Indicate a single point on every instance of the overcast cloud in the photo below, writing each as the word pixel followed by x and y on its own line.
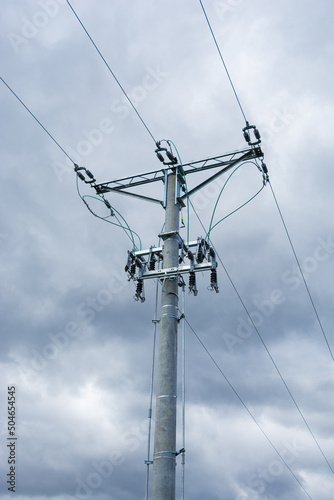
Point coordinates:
pixel 75 344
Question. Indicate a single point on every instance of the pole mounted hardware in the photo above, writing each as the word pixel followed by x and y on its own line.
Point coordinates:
pixel 130 185
pixel 247 135
pixel 141 264
pixel 90 179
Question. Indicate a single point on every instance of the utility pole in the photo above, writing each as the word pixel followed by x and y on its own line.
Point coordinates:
pixel 163 482
pixel 141 265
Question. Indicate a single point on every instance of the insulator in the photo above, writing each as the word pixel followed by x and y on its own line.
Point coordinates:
pixel 192 283
pixel 160 157
pixel 89 173
pixel 200 257
pixel 139 288
pixel 107 204
pixel 257 134
pixel 246 136
pixel 171 157
pixel 213 280
pixel 79 174
pixel 151 265
pixel 213 277
pixel 133 269
pixel 139 291
pixel 264 168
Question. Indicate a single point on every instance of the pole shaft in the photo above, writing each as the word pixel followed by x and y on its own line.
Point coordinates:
pixel 163 482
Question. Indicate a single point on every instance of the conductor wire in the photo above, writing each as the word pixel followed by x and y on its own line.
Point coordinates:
pixel 111 71
pixel 222 60
pixel 301 272
pixel 246 408
pixel 37 120
pixel 266 348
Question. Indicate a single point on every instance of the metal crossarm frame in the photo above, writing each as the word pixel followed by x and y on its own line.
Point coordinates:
pixel 125 185
pixel 175 271
pixel 196 263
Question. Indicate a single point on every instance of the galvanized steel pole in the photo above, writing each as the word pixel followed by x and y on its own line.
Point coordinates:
pixel 164 459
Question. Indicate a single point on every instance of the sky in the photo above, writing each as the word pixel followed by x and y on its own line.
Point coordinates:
pixel 75 344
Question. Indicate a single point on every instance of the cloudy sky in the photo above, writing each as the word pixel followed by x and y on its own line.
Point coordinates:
pixel 74 343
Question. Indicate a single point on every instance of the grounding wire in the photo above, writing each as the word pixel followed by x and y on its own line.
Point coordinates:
pixel 245 406
pixel 110 70
pixel 265 346
pixel 222 60
pixel 301 271
pixel 148 461
pixel 37 120
pixel 218 198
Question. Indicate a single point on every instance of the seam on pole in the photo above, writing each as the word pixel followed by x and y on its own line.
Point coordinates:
pixel 169 316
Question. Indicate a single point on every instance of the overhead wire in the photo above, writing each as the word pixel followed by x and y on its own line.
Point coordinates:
pixel 130 232
pixel 222 60
pixel 37 120
pixel 211 227
pixel 265 346
pixel 285 227
pixel 301 272
pixel 111 71
pixel 234 211
pixel 246 407
pixel 126 228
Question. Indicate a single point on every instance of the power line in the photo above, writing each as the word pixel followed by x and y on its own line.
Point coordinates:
pixel 245 406
pixel 266 348
pixel 222 60
pixel 301 271
pixel 128 231
pixel 207 236
pixel 111 72
pixel 37 120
